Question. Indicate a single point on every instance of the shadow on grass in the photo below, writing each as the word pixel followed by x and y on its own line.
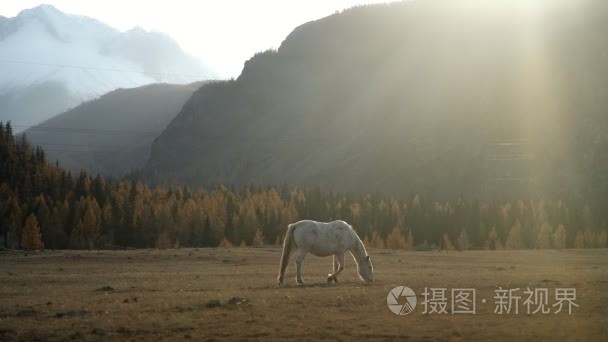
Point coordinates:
pixel 347 284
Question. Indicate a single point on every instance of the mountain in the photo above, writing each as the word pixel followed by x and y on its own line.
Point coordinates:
pixel 51 61
pixel 443 97
pixel 111 135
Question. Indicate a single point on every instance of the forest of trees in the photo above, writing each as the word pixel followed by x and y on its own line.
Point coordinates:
pixel 43 206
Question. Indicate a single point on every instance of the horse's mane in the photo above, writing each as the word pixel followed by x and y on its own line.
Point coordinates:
pixel 359 246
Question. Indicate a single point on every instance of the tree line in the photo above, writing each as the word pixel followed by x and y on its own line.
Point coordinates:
pixel 43 206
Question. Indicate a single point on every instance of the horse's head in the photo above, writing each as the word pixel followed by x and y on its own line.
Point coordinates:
pixel 366 269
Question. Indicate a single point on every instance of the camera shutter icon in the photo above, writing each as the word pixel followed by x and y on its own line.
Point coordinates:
pixel 401 300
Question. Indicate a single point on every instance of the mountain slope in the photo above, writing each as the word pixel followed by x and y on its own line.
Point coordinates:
pixel 111 135
pixel 432 96
pixel 51 61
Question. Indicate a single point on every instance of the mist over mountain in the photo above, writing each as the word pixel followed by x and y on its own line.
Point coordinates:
pixel 443 97
pixel 111 135
pixel 51 61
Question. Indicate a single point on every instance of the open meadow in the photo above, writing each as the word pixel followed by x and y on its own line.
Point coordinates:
pixel 218 294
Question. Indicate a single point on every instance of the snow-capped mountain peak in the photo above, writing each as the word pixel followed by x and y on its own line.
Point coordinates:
pixel 46 54
pixel 59 25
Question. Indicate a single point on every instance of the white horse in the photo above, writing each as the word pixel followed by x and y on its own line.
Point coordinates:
pixel 325 239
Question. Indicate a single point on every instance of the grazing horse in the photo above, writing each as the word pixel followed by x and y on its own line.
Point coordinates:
pixel 325 239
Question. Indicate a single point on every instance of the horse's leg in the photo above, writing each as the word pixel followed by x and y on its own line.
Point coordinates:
pixel 301 254
pixel 336 264
pixel 331 277
pixel 337 268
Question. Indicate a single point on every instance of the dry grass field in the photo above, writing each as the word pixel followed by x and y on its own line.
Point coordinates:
pixel 227 294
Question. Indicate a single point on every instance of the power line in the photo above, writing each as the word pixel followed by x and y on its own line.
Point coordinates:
pixel 89 146
pixel 83 151
pixel 101 69
pixel 85 130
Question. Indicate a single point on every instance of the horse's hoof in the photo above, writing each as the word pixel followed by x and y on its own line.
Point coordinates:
pixel 300 282
pixel 329 278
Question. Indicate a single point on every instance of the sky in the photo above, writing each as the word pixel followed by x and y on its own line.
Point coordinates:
pixel 222 33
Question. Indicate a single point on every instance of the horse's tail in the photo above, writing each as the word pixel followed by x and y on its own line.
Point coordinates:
pixel 288 245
